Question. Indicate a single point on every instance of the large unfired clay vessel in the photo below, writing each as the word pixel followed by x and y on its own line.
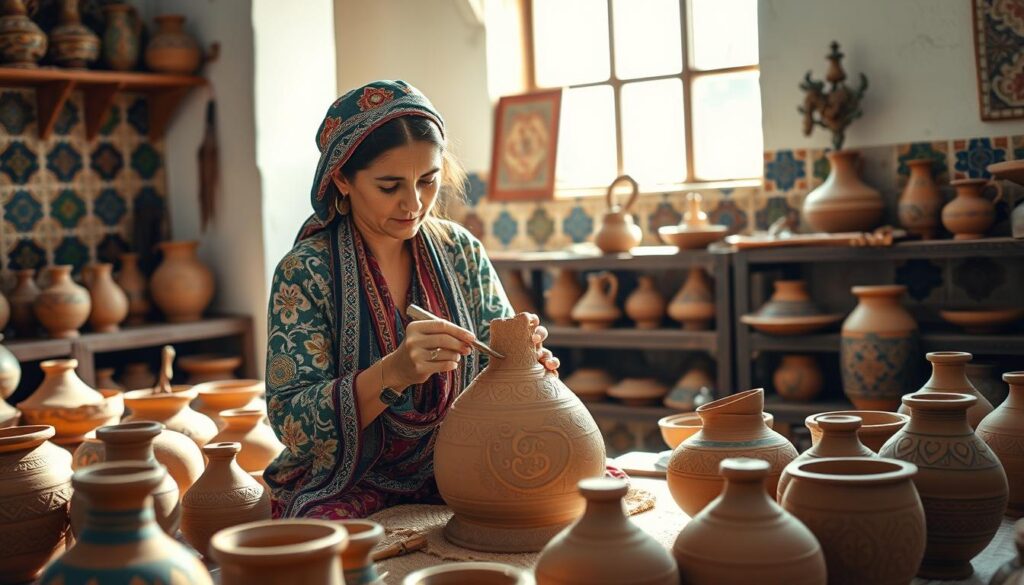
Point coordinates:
pixel 838 439
pixel 512 448
pixel 109 303
pixel 646 305
pixel 562 296
pixel 596 309
pixel 280 552
pixel 63 306
pixel 172 409
pixel 357 560
pixel 949 374
pixel 1003 432
pixel 694 304
pixel 843 203
pixel 259 443
pixel 182 286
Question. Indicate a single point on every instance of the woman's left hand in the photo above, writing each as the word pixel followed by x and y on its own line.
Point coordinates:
pixel 544 356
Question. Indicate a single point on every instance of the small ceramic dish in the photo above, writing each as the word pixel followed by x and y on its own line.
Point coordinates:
pixel 982 320
pixel 689 238
pixel 791 325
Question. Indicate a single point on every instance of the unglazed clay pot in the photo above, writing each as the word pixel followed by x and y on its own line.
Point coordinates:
pixel 843 203
pixel 618 232
pixel 949 374
pixel 969 215
pixel 72 44
pixel 512 448
pixel 1003 432
pixel 961 482
pixel 182 286
pixel 676 428
pixel 259 443
pixel 838 439
pixel 596 309
pixel 603 547
pixel 120 542
pixel 687 389
pixel 22 300
pixel 62 307
pixel 798 378
pixel 865 513
pixel 35 492
pixel 590 383
pixel 920 203
pixel 638 391
pixel 133 282
pixel 173 450
pixel 694 304
pixel 562 297
pixel 876 426
pixel 356 560
pixel 137 376
pixel 732 427
pixel 171 49
pixel 878 348
pixel 109 303
pixel 744 537
pixel 645 305
pixel 280 552
pixel 69 404
pixel 10 372
pixel 218 396
pixel 209 367
pixel 171 409
pixel 515 289
pixel 22 43
pixel 222 497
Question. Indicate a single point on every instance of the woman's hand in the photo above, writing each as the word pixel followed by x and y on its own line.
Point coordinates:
pixel 544 356
pixel 429 347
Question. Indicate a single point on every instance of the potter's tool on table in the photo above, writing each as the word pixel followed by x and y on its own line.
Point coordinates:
pixel 418 313
pixel 417 542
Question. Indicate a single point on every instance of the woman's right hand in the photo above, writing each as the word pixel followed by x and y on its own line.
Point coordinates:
pixel 429 347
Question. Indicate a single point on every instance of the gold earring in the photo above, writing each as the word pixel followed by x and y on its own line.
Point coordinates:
pixel 342 204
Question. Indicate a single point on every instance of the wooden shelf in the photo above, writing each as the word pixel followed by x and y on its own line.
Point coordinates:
pixel 641 258
pixel 154 334
pixel 677 339
pixel 989 247
pixel 998 344
pixel 30 350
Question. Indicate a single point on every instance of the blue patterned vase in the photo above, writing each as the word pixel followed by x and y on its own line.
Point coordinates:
pixel 121 37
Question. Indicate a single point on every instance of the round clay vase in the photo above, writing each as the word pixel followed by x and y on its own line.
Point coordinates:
pixel 646 305
pixel 843 203
pixel 560 299
pixel 72 44
pixel 838 439
pixel 515 289
pixel 356 560
pixel 865 513
pixel 223 496
pixel 62 307
pixel 477 573
pixel 969 215
pixel 133 282
pixel 259 443
pixel 22 300
pixel 121 542
pixel 10 372
pixel 182 286
pixel 949 374
pixel 121 37
pixel 69 404
pixel 35 492
pixel 137 376
pixel 109 303
pixel 512 448
pixel 209 367
pixel 878 348
pixel 798 378
pixel 596 309
pixel 590 384
pixel 776 547
pixel 172 409
pixel 618 232
pixel 22 43
pixel 921 202
pixel 171 49
pixel 985 377
pixel 183 460
pixel 604 547
pixel 877 426
pixel 684 394
pixel 1003 432
pixel 694 304
pixel 280 552
pixel 961 482
pixel 731 427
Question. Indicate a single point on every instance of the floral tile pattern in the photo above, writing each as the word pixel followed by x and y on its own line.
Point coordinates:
pixel 146 160
pixel 71 251
pixel 106 161
pixel 505 227
pixel 785 170
pixel 820 166
pixel 68 208
pixel 16 112
pixel 920 277
pixel 578 225
pixel 729 214
pixel 476 189
pixel 775 208
pixel 664 214
pixel 67 119
pixel 111 248
pixel 18 162
pixel 138 116
pixel 64 162
pixel 937 151
pixel 112 122
pixel 973 156
pixel 979 277
pixel 23 211
pixel 109 207
pixel 540 227
pixel 25 254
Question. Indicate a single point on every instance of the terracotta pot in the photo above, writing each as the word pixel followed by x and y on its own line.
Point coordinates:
pixel 133 282
pixel 645 305
pixel 182 286
pixel 518 294
pixel 121 37
pixel 985 378
pixel 560 299
pixel 838 439
pixel 686 393
pixel 10 372
pixel 171 49
pixel 949 374
pixel 109 303
pixel 961 482
pixel 171 409
pixel 732 426
pixel 969 215
pixel 590 383
pixel 22 43
pixel 137 376
pixel 72 44
pixel 356 560
pixel 280 552
pixel 509 473
pixel 638 391
pixel 62 307
pixel 259 443
pixel 120 542
pixel 596 309
pixel 22 299
pixel 865 513
pixel 603 546
pixel 173 450
pixel 1003 432
pixel 921 202
pixel 218 396
pixel 798 378
pixel 222 497
pixel 35 488
pixel 618 232
pixel 843 203
pixel 789 299
pixel 676 428
pixel 694 304
pixel 69 404
pixel 876 426
pixel 209 367
pixel 878 349
pixel 776 547
pixel 477 573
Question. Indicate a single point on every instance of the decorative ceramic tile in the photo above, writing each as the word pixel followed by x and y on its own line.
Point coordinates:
pixel 138 116
pixel 106 161
pixel 999 58
pixel 71 251
pixel 110 248
pixel 67 120
pixel 820 166
pixel 664 214
pixel 64 162
pixel 26 254
pixel 775 208
pixel 16 113
pixel 973 156
pixel 112 121
pixel 729 214
pixel 578 225
pixel 979 277
pixel 540 227
pixel 937 151
pixel 110 207
pixel 476 188
pixel 920 277
pixel 475 224
pixel 18 162
pixel 23 211
pixel 505 227
pixel 785 170
pixel 68 208
pixel 146 160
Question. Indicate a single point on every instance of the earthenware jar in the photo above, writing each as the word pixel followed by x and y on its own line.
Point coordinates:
pixel 843 203
pixel 515 289
pixel 220 395
pixel 1003 432
pixel 694 304
pixel 279 552
pixel 961 482
pixel 72 44
pixel 22 299
pixel 596 309
pixel 645 305
pixel 137 375
pixel 475 572
pixel 172 409
pixel 182 286
pixel 878 348
pixel 590 383
pixel 838 439
pixel 10 371
pixel 604 546
pixel 865 513
pixel 121 37
pixel 63 306
pixel 776 547
pixel 984 377
pixel 512 448
pixel 173 450
pixel 618 232
pixel 69 404
pixel 109 303
pixel 920 202
pixel 22 43
pixel 789 299
pixel 356 560
pixel 171 49
pixel 562 297
pixel 949 374
pixel 209 367
pixel 731 427
pixel 120 542
pixel 259 443
pixel 797 378
pixel 969 215
pixel 133 282
pixel 687 389
pixel 876 426
pixel 35 491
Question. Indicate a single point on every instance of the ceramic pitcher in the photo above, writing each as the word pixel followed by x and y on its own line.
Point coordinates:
pixel 970 215
pixel 596 309
pixel 618 231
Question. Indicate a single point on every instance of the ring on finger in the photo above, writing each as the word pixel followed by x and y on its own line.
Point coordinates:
pixel 433 354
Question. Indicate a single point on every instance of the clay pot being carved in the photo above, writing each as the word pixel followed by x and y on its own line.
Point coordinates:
pixel 590 384
pixel 10 372
pixel 133 282
pixel 171 49
pixel 732 426
pixel 961 482
pixel 878 349
pixel 694 304
pixel 969 215
pixel 1003 432
pixel 172 409
pixel 618 232
pixel 69 404
pixel 276 552
pixel 603 546
pixel 22 43
pixel 560 299
pixel 518 295
pixel 777 548
pixel 865 513
pixel 209 367
pixel 875 429
pixel 838 439
pixel 921 202
pixel 109 303
pixel 356 560
pixel 72 44
pixel 843 203
pixel 509 474
pixel 477 573
pixel 220 395
pixel 62 307
pixel 686 393
pixel 35 491
pixel 259 443
pixel 22 300
pixel 949 374
pixel 596 309
pixel 173 450
pixel 798 378
pixel 645 305
pixel 182 286
pixel 137 376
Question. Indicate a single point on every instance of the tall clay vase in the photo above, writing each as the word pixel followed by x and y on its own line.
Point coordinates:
pixel 280 552
pixel 838 439
pixel 515 289
pixel 63 306
pixel 645 305
pixel 949 374
pixel 694 304
pixel 604 547
pixel 222 497
pixel 172 50
pixel 259 443
pixel 596 309
pixel 865 513
pixel 969 215
pixel 72 44
pixel 878 348
pixel 356 560
pixel 512 448
pixel 22 43
pixel 133 282
pixel 35 492
pixel 843 203
pixel 961 482
pixel 1003 432
pixel 172 409
pixel 744 537
pixel 731 427
pixel 562 297
pixel 798 378
pixel 121 542
pixel 69 404
pixel 109 302
pixel 920 203
pixel 22 299
pixel 182 286
pixel 121 37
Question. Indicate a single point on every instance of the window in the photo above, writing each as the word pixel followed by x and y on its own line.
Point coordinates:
pixel 664 90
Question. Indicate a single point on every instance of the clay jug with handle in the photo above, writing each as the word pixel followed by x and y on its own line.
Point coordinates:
pixel 969 215
pixel 596 309
pixel 618 232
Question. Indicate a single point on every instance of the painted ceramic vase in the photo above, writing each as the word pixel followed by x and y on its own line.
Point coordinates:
pixel 72 44
pixel 220 395
pixel 731 427
pixel 35 493
pixel 646 305
pixel 62 307
pixel 596 309
pixel 878 348
pixel 121 544
pixel 949 374
pixel 776 547
pixel 476 572
pixel 838 439
pixel 10 371
pixel 865 513
pixel 562 297
pixel 137 376
pixel 961 482
pixel 590 384
pixel 22 43
pixel 172 409
pixel 618 232
pixel 133 282
pixel 356 560
pixel 209 367
pixel 694 304
pixel 798 378
pixel 843 203
pixel 686 392
pixel 109 303
pixel 182 286
pixel 259 443
pixel 22 300
pixel 969 215
pixel 277 552
pixel 171 49
pixel 67 403
pixel 509 474
pixel 921 202
pixel 121 37
pixel 877 426
pixel 183 460
pixel 1003 432
pixel 518 294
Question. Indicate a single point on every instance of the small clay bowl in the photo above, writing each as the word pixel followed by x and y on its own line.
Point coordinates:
pixel 687 238
pixel 676 428
pixel 982 320
pixel 876 427
pixel 791 325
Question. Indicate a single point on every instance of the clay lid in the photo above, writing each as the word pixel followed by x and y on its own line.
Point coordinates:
pixel 277 542
pixel 1014 378
pixel 603 489
pixel 853 470
pixel 839 423
pixel 939 401
pixel 948 357
pixel 744 469
pixel 24 437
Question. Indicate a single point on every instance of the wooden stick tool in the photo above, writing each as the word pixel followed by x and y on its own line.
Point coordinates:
pixel 418 313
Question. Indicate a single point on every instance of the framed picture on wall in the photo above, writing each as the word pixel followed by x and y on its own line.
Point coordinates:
pixel 999 55
pixel 525 146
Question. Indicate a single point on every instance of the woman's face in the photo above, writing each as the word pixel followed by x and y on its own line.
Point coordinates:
pixel 393 196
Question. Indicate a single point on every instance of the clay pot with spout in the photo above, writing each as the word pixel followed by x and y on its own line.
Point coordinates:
pixel 67 403
pixel 646 305
pixel 969 215
pixel 72 44
pixel 133 282
pixel 259 443
pixel 694 304
pixel 109 303
pixel 63 306
pixel 596 309
pixel 22 299
pixel 920 203
pixel 356 560
pixel 280 551
pixel 560 299
pixel 838 439
pixel 1003 431
pixel 618 232
pixel 843 203
pixel 182 286
pixel 949 374
pixel 171 49
pixel 518 295
pixel 22 43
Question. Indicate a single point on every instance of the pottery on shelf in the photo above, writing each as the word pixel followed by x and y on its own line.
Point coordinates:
pixel 220 395
pixel 72 44
pixel 646 305
pixel 843 203
pixel 1012 170
pixel 509 474
pixel 676 428
pixel 10 372
pixel 949 375
pixel 67 403
pixel 475 572
pixel 518 294
pixel 1003 431
pixel 133 282
pixel 278 552
pixel 63 306
pixel 789 311
pixel 356 560
pixel 982 320
pixel 109 303
pixel 121 37
pixel 560 299
pixel 969 215
pixel 838 439
pixel 182 286
pixel 985 377
pixel 105 379
pixel 209 367
pixel 171 49
pixel 875 429
pixel 798 378
pixel 690 389
pixel 694 304
pixel 920 202
pixel 638 391
pixel 173 450
pixel 22 43
pixel 259 443
pixel 137 376
pixel 694 231
pixel 618 232
pixel 596 309
pixel 590 384
pixel 22 300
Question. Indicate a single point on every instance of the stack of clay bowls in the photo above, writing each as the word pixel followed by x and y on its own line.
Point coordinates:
pixel 790 311
pixel 695 232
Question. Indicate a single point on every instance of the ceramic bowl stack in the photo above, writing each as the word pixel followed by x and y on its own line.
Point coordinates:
pixel 790 311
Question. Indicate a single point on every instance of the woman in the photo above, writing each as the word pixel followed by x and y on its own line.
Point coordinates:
pixel 355 390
